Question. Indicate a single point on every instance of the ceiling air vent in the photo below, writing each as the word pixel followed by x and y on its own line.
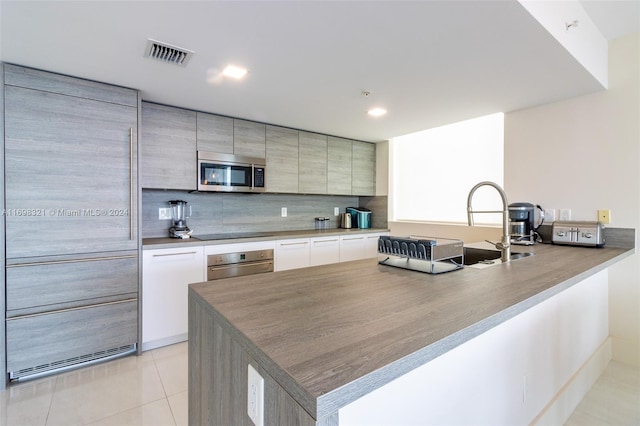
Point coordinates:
pixel 167 53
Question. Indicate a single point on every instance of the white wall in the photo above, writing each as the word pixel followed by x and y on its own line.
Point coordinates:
pixel 505 376
pixel 584 154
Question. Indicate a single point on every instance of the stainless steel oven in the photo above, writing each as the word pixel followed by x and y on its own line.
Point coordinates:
pixel 230 173
pixel 238 264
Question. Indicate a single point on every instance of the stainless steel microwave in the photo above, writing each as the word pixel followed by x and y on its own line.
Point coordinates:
pixel 230 173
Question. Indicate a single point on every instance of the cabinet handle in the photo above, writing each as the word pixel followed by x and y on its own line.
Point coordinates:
pixel 354 238
pixel 294 244
pixel 57 262
pixel 131 189
pixel 175 254
pixel 324 241
pixel 77 308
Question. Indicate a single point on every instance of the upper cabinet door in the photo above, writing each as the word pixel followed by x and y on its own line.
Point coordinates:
pixel 312 163
pixel 282 160
pixel 70 174
pixel 364 166
pixel 215 133
pixel 339 166
pixel 249 139
pixel 169 159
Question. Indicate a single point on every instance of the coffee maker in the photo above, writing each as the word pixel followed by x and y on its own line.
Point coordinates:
pixel 179 217
pixel 523 223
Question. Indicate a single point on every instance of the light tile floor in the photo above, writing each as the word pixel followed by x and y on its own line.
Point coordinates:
pixel 151 389
pixel 613 400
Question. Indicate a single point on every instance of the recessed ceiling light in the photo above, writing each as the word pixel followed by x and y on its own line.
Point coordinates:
pixel 377 112
pixel 235 72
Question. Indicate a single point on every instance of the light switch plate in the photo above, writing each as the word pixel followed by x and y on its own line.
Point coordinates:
pixel 164 213
pixel 549 215
pixel 283 212
pixel 336 211
pixel 604 216
pixel 565 214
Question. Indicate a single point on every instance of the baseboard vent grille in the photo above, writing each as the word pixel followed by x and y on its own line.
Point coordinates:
pixel 56 367
pixel 167 53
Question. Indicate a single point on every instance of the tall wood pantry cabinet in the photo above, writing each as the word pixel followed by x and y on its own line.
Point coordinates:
pixel 71 191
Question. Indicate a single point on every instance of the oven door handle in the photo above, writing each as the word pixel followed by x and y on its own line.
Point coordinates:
pixel 218 272
pixel 240 265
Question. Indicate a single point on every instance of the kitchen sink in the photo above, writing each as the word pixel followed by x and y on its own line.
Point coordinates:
pixel 479 256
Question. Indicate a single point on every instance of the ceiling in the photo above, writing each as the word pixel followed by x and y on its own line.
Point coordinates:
pixel 428 63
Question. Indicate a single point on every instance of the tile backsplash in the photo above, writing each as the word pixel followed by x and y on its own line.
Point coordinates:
pixel 213 213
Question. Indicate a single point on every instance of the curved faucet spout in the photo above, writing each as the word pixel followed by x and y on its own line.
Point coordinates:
pixel 505 244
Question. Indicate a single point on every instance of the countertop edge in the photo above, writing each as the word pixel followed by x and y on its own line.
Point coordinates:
pixel 332 401
pixel 166 242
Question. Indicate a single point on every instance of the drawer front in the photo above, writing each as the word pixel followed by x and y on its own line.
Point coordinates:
pixel 48 284
pixel 61 335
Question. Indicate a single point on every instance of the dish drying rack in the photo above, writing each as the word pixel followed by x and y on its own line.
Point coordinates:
pixel 423 254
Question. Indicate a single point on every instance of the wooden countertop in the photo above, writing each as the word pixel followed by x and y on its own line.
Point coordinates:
pixel 330 334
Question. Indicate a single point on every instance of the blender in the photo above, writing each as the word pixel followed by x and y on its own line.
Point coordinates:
pixel 179 217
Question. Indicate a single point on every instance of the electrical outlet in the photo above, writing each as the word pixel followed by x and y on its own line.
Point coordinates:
pixel 549 215
pixel 283 212
pixel 565 214
pixel 604 216
pixel 164 213
pixel 336 211
pixel 255 396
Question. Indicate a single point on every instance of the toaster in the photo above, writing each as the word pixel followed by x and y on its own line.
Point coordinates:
pixel 576 233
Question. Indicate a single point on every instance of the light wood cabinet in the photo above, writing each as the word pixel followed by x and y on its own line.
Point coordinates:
pixel 339 154
pixel 312 163
pixel 214 133
pixel 282 160
pixel 71 190
pixel 70 174
pixel 168 147
pixel 59 336
pixel 363 168
pixel 249 139
pixel 41 287
pixel 166 276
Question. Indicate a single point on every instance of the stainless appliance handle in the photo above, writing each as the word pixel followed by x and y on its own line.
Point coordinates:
pixel 240 265
pixel 131 189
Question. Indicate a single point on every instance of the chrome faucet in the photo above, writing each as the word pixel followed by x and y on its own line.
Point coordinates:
pixel 505 245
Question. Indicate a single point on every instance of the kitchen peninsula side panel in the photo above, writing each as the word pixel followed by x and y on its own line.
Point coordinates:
pixel 218 379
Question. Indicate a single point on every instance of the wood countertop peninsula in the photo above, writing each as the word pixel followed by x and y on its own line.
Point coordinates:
pixel 330 334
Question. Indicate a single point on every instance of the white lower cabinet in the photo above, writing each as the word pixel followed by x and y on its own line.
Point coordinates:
pixel 324 250
pixel 359 246
pixel 166 276
pixel 292 254
pixel 352 247
pixel 371 244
